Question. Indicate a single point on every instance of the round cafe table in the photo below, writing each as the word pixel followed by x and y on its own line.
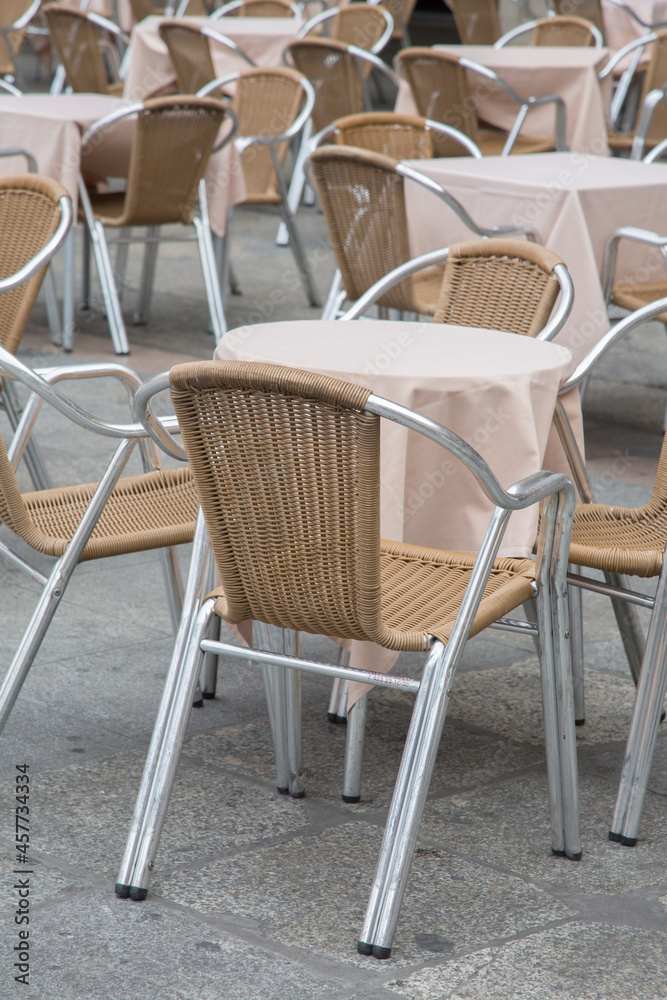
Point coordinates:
pixel 496 390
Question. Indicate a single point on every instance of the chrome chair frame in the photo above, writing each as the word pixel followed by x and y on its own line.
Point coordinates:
pixel 59 82
pixel 392 278
pixel 522 29
pixel 152 238
pixel 331 12
pixel 448 130
pixel 637 46
pixel 288 213
pixel 636 235
pixel 235 4
pixel 8 29
pixel 432 691
pixel 647 657
pixel 337 295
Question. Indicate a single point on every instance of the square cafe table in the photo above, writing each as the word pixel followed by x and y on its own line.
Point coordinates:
pixel 531 71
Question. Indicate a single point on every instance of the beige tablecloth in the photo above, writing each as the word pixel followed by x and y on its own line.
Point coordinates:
pixel 262 38
pixel 497 390
pixel 50 127
pixel 621 28
pixel 532 71
pixel 573 202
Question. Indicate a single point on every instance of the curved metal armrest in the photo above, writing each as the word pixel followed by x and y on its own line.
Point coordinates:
pixel 605 343
pixel 233 132
pixel 369 57
pixel 651 102
pixel 520 495
pixel 564 307
pixel 636 17
pixel 46 253
pixel 243 141
pixel 315 20
pixel 113 29
pixel 393 278
pixel 645 236
pixel 113 116
pixel 228 43
pixel 622 53
pixel 10 88
pixel 460 137
pixel 656 152
pixel 414 175
pixel 30 159
pixel 156 428
pixel 23 20
pixel 330 12
pixel 514 33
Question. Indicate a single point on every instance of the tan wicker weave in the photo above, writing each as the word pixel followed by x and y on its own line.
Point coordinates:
pixel 625 540
pixel 635 296
pixel 10 12
pixel 172 143
pixel 654 77
pixel 335 77
pixel 145 8
pixel 476 21
pixel 190 54
pixel 500 284
pixel 363 202
pixel 286 464
pixel 357 24
pixel 77 41
pixel 403 137
pixel 439 85
pixel 588 9
pixel 266 102
pixel 29 217
pixel 562 31
pixel 401 11
pixel 264 8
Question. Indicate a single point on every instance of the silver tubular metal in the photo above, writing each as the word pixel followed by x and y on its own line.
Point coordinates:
pixel 275 686
pixel 155 427
pixel 454 133
pixel 51 304
pixel 142 312
pixel 22 565
pixel 57 583
pixel 85 278
pixel 208 265
pixel 297 182
pixel 610 591
pixel 415 175
pixel 335 296
pixel 191 598
pixel 332 713
pixel 557 321
pixel 209 674
pixel 516 627
pixel 30 450
pixel 651 102
pixel 174 584
pixel 611 251
pixel 354 750
pixel 577 651
pixel 656 152
pixel 341 703
pixel 68 293
pixel 122 248
pixel 514 33
pixel 44 255
pixel 294 235
pixel 644 724
pixel 393 278
pixel 226 42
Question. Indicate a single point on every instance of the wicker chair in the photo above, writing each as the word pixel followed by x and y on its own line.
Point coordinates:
pixel 500 284
pixel 72 524
pixel 362 196
pixel 82 43
pixel 588 9
pixel 364 25
pixel 403 137
pixel 15 16
pixel 439 85
pixel 477 21
pixel 189 48
pixel 650 126
pixel 257 8
pixel 572 31
pixel 626 294
pixel 172 143
pixel 272 106
pixel 624 542
pixel 298 548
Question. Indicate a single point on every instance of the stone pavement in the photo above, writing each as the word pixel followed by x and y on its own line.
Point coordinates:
pixel 262 897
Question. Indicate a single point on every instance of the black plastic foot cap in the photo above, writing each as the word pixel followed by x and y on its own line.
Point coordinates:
pixel 137 893
pixel 208 695
pixel 577 722
pixel 350 798
pixel 297 795
pixel 283 791
pixel 628 841
pixel 341 720
pixel 557 854
pixel 332 717
pixel 364 949
pixel 575 857
pixel 616 837
pixel 122 891
pixel 198 704
pixel 381 953
pixel 662 717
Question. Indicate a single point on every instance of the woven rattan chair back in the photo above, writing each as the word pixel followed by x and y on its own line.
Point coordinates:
pixel 476 21
pixel 562 31
pixel 10 12
pixel 306 553
pixel 357 24
pixel 189 53
pixel 264 8
pixel 403 137
pixel 266 102
pixel 77 42
pixel 500 284
pixel 144 8
pixel 173 140
pixel 401 11
pixel 29 217
pixel 588 9
pixel 440 88
pixel 363 202
pixel 335 76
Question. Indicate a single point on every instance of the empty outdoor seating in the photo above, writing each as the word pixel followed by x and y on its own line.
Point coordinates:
pixel 83 44
pixel 555 31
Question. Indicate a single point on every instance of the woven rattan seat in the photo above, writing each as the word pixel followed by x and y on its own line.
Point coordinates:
pixel 286 465
pixel 476 21
pixel 440 89
pixel 500 284
pixel 77 41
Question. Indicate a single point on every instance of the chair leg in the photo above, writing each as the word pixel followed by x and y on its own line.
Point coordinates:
pixel 577 650
pixel 51 303
pixel 174 583
pixel 297 182
pixel 211 280
pixel 209 674
pixel 122 250
pixel 68 291
pixel 109 292
pixel 629 626
pixel 333 302
pixel 32 456
pixel 644 725
pixel 354 750
pixel 283 689
pixel 142 312
pixel 85 292
pixel 165 722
